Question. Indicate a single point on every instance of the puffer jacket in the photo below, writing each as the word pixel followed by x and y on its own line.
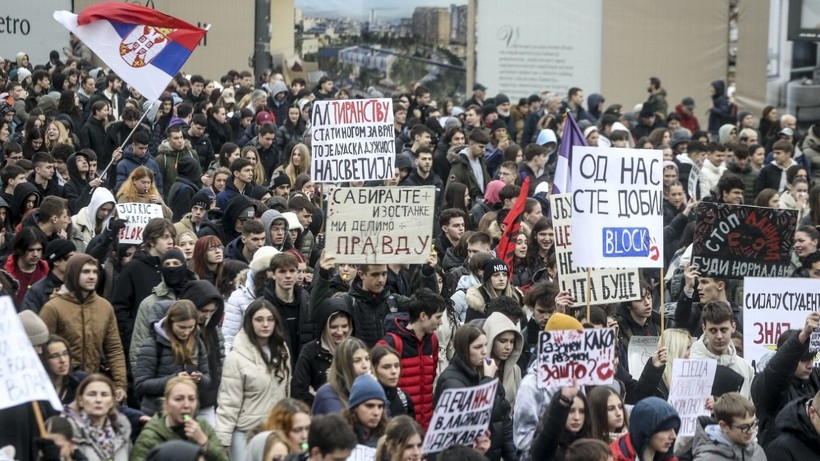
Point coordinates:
pixel 710 444
pixel 135 283
pixel 156 431
pixel 419 360
pixel 152 309
pixel 459 297
pixel 248 391
pixel 496 324
pixel 156 366
pixel 299 330
pixel 709 176
pixel 168 160
pixel 798 439
pixel 90 328
pixel 240 299
pixel 91 449
pixel 646 416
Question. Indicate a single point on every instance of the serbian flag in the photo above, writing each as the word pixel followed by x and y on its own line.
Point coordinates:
pixel 506 246
pixel 142 46
pixel 573 136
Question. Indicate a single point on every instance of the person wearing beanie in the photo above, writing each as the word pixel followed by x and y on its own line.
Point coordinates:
pixel 36 329
pixel 57 253
pixel 86 321
pixel 653 428
pixel 280 184
pixel 365 410
pixel 245 294
pixel 495 283
pixel 200 203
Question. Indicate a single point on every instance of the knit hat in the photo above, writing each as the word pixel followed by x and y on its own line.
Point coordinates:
pixel 58 249
pixel 688 102
pixel 293 221
pixel 670 164
pixel 261 259
pixel 491 192
pixel 249 212
pixel 36 329
pixel 501 98
pixel 365 388
pixel 280 179
pixel 201 199
pixel 680 135
pixel 494 265
pixel 402 162
pixel 497 125
pixel 559 322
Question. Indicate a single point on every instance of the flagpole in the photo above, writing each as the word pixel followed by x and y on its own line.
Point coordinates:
pixel 663 310
pixel 128 137
pixel 589 291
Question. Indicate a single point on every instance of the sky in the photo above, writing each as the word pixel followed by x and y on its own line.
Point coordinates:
pixel 360 9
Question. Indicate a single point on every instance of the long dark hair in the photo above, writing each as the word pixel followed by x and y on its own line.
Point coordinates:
pixel 465 336
pixel 597 412
pixel 533 248
pixel 454 198
pixel 279 356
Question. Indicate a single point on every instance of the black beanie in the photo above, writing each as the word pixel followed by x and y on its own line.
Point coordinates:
pixel 492 266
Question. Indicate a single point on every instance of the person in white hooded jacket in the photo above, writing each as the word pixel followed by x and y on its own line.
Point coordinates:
pixel 505 343
pixel 713 167
pixel 92 219
pixel 244 294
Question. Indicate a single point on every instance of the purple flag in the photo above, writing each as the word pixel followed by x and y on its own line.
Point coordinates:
pixel 572 136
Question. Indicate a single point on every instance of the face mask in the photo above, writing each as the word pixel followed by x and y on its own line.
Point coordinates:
pixel 175 277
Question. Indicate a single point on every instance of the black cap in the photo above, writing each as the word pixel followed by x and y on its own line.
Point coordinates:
pixel 58 249
pixel 479 87
pixel 688 102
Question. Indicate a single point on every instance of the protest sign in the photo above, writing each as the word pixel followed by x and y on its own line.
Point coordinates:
pixel 22 376
pixel 380 225
pixel 617 207
pixel 692 183
pixel 814 341
pixel 585 355
pixel 772 306
pixel 137 215
pixel 641 349
pixel 352 140
pixel 461 416
pixel 362 453
pixel 606 285
pixel 736 241
pixel 692 381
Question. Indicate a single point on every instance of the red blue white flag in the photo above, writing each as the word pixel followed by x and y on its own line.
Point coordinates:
pixel 143 46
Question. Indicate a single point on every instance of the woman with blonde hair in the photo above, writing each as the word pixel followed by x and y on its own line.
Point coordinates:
pixel 101 433
pixel 291 418
pixel 402 441
pixel 56 133
pixel 140 187
pixel 228 101
pixel 678 344
pixel 268 446
pixel 186 240
pixel 297 162
pixel 250 153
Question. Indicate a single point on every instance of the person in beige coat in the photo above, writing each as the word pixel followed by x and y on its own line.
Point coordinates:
pixel 255 376
pixel 505 342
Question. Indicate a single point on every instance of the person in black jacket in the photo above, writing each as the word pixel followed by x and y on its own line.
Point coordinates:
pixel 314 359
pixel 92 134
pixel 43 176
pixel 788 376
pixel 229 226
pixel 564 422
pixel 799 425
pixel 184 188
pixel 386 369
pixel 78 188
pixel 56 253
pixel 468 368
pixel 290 300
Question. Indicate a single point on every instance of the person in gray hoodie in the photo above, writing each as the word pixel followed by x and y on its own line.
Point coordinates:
pixel 276 230
pixel 732 436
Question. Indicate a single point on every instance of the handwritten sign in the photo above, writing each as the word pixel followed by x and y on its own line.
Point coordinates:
pixel 692 183
pixel 352 140
pixel 585 355
pixel 641 349
pixel 736 241
pixel 461 416
pixel 617 207
pixel 606 285
pixel 362 453
pixel 137 215
pixel 692 381
pixel 772 306
pixel 814 341
pixel 380 225
pixel 22 376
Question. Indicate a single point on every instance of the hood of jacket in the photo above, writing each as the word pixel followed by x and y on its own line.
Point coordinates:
pixel 159 331
pixel 450 260
pixel 74 172
pixel 457 154
pixel 545 137
pixel 647 416
pixel 723 133
pixel 235 205
pixel 592 102
pixel 467 281
pixel 720 88
pixel 328 307
pixel 699 348
pixel 100 197
pixel 267 219
pixel 710 442
pixel 21 192
pixel 201 293
pixel 189 169
pixel 278 87
pixel 496 324
pixel 73 269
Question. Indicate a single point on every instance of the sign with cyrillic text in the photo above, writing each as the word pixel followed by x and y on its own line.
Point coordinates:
pixel 137 215
pixel 567 355
pixel 772 306
pixel 606 285
pixel 22 375
pixel 692 381
pixel 380 225
pixel 352 140
pixel 640 350
pixel 736 241
pixel 461 416
pixel 617 207
pixel 362 453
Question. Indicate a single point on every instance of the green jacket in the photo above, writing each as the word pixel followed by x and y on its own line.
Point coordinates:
pixel 461 171
pixel 156 432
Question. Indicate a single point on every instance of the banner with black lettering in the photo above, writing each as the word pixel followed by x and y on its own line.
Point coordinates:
pixel 736 241
pixel 567 355
pixel 772 306
pixel 461 416
pixel 380 225
pixel 352 140
pixel 606 285
pixel 617 207
pixel 692 381
pixel 137 216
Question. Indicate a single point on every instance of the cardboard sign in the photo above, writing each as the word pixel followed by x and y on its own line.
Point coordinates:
pixel 641 349
pixel 736 241
pixel 362 453
pixel 380 225
pixel 137 215
pixel 461 416
pixel 22 376
pixel 352 140
pixel 606 285
pixel 772 306
pixel 617 207
pixel 692 381
pixel 585 355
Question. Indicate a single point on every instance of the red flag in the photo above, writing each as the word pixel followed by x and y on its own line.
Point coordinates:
pixel 506 246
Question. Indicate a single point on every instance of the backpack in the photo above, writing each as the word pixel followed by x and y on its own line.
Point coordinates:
pixel 389 324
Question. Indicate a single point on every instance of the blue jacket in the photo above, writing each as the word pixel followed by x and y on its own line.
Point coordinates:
pixel 130 162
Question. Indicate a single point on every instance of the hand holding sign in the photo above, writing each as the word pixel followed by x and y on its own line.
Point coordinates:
pixel 809 332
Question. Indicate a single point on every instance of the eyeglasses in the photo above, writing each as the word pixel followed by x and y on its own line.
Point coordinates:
pixel 58 355
pixel 747 428
pixel 216 248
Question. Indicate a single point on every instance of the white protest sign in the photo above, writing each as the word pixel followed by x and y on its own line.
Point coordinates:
pixel 461 416
pixel 606 285
pixel 641 349
pixel 814 341
pixel 352 140
pixel 585 355
pixel 362 453
pixel 692 381
pixel 137 215
pixel 692 182
pixel 772 306
pixel 380 225
pixel 617 207
pixel 22 376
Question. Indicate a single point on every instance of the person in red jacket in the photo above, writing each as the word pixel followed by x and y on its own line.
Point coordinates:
pixel 653 428
pixel 413 337
pixel 686 111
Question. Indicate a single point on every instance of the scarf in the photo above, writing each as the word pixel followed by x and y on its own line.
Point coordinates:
pixel 104 437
